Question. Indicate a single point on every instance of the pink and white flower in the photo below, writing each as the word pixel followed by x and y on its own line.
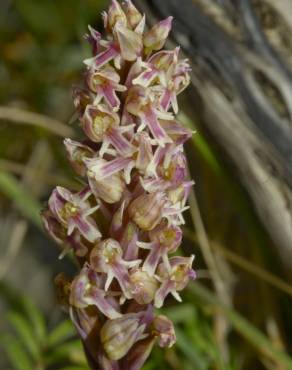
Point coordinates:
pixel 105 83
pixel 74 211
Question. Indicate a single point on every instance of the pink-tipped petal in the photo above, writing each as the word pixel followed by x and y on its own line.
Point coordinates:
pixel 150 118
pixel 102 58
pixel 120 143
pixel 153 258
pixel 93 38
pixel 162 293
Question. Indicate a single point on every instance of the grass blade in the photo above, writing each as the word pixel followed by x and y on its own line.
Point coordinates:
pixel 27 205
pixel 62 332
pixel 36 318
pixel 16 354
pixel 72 351
pixel 26 335
pixel 254 336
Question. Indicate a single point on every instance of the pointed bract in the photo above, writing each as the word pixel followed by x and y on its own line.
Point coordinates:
pixel 156 37
pixel 133 15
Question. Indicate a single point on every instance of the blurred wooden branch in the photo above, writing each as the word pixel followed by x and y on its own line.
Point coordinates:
pixel 242 82
pixel 21 116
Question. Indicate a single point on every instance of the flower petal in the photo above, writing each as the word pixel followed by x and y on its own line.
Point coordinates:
pixel 129 41
pixel 149 117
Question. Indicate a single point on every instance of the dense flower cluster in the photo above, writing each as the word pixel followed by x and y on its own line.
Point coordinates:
pixel 124 225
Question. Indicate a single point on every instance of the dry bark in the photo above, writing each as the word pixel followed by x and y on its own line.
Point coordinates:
pixel 241 54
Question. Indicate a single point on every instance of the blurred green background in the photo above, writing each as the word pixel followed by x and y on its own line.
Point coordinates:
pixel 236 316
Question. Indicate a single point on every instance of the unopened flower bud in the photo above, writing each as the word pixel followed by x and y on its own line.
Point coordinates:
pixel 146 210
pixel 134 17
pixel 164 330
pixel 155 38
pixel 143 285
pixel 119 335
pixel 115 14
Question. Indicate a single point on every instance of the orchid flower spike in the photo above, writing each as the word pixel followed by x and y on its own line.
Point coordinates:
pixel 124 225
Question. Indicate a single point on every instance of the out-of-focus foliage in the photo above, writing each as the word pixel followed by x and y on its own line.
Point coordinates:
pixel 239 319
pixel 40 50
pixel 32 345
